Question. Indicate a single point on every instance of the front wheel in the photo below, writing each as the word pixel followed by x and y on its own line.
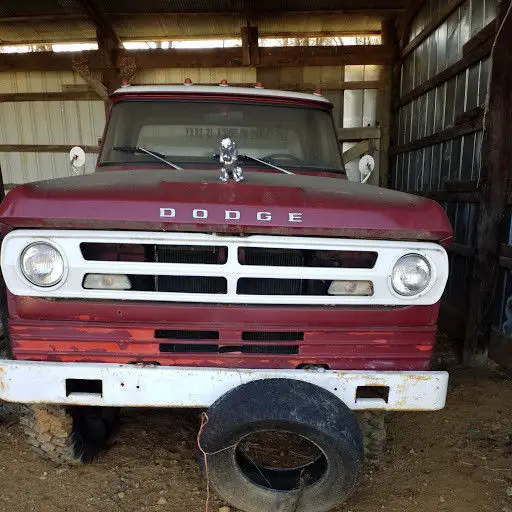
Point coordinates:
pixel 282 444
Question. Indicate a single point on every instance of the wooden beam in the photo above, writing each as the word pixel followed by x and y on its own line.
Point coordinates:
pixel 209 57
pixel 357 134
pixel 326 55
pixel 474 50
pixel 461 185
pixel 292 79
pixel 250 50
pixel 445 11
pixel 49 96
pixel 495 171
pixel 467 123
pixel 356 151
pixel 43 148
pixel 101 22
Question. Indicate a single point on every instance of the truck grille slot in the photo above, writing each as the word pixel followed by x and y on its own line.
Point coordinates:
pixel 272 336
pixel 186 335
pixel 191 284
pixel 192 348
pixel 268 286
pixel 269 257
pixel 199 254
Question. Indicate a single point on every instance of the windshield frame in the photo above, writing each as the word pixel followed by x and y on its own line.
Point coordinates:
pixel 222 99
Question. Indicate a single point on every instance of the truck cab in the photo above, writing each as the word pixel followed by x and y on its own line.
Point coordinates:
pixel 219 247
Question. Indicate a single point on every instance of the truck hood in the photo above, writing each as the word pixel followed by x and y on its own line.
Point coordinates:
pixel 195 200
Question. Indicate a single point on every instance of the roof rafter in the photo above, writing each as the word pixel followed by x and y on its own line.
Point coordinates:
pixel 104 28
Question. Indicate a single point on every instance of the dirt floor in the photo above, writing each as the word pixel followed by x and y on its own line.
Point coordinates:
pixel 455 460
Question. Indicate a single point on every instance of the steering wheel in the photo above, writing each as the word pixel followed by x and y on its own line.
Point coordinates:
pixel 283 156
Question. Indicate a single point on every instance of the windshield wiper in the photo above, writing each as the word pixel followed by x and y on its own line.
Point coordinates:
pixel 154 154
pixel 254 159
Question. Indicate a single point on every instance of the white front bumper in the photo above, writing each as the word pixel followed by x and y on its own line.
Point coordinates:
pixel 124 385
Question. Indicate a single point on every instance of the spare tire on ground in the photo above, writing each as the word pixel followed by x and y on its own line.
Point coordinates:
pixel 282 445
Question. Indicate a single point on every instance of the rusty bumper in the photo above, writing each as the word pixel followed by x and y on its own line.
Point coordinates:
pixel 128 385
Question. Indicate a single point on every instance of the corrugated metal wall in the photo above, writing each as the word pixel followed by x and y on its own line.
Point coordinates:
pixel 45 123
pixel 427 170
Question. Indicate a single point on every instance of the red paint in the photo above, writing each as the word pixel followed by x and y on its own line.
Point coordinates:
pixel 301 318
pixel 339 348
pixel 391 338
pixel 384 338
pixel 122 200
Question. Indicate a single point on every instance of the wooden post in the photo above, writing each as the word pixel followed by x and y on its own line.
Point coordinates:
pixel 250 49
pixel 495 172
pixel 108 47
pixel 385 101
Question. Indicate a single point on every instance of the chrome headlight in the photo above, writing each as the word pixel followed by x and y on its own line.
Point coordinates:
pixel 411 275
pixel 42 264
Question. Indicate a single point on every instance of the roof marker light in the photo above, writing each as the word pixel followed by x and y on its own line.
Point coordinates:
pixel 125 83
pixel 258 85
pixel 318 92
pixel 187 81
pixel 224 83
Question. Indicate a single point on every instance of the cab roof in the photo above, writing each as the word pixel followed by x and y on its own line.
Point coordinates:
pixel 220 90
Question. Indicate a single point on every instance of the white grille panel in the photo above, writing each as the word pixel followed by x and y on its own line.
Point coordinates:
pixel 77 267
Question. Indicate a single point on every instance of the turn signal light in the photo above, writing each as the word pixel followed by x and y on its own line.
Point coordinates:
pixel 354 288
pixel 107 282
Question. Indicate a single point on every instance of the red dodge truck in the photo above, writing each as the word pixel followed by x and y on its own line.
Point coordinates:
pixel 218 258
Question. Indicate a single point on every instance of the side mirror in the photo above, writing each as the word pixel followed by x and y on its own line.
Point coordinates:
pixel 366 167
pixel 77 160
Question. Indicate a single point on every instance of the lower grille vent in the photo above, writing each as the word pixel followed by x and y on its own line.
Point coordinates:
pixel 193 348
pixel 272 336
pixel 186 335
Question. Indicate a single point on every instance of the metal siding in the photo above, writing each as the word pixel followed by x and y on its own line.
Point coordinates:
pixel 428 169
pixel 37 81
pixel 18 168
pixel 51 122
pixel 45 123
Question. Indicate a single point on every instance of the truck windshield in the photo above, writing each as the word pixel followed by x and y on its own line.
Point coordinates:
pixel 189 132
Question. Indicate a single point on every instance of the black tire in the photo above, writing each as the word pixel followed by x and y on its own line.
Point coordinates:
pixel 374 429
pixel 282 405
pixel 68 435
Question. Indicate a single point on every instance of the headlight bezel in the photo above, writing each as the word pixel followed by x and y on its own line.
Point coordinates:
pixel 32 284
pixel 430 285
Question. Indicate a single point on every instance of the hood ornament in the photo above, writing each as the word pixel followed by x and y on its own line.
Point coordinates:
pixel 228 157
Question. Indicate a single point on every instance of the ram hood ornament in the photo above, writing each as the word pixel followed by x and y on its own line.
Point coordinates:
pixel 228 157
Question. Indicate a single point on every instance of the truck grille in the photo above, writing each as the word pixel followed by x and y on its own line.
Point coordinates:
pixel 221 269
